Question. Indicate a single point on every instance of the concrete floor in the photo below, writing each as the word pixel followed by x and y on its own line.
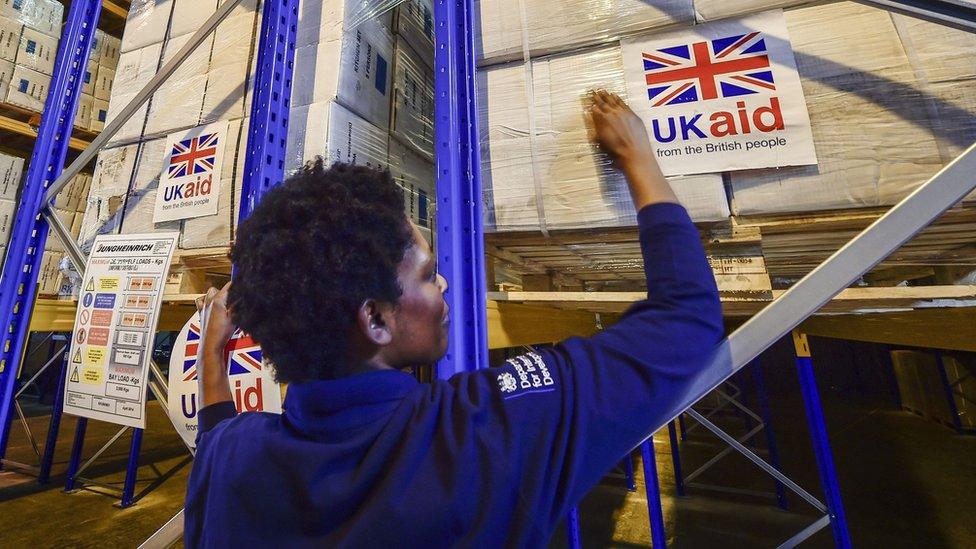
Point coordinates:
pixel 906 481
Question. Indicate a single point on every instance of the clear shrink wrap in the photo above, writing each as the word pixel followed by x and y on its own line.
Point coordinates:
pixel 413 21
pixel 42 15
pixel 711 10
pixel 511 29
pixel 37 51
pixel 329 130
pixel 413 100
pixel 884 120
pixel 539 167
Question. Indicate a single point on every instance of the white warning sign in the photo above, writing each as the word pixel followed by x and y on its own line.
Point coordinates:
pixel 118 310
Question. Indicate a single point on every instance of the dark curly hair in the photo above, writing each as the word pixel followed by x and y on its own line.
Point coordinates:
pixel 310 253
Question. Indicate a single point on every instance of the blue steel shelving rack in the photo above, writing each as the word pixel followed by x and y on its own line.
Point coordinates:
pixel 26 248
pixel 460 238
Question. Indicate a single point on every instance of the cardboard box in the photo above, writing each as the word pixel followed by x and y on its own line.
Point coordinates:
pixel 553 26
pixel 49 277
pixel 136 68
pixel 335 133
pixel 558 175
pixel 110 51
pixel 53 243
pixel 216 230
pixel 355 68
pixel 415 175
pixel 179 101
pixel 83 116
pixel 99 115
pixel 9 38
pixel 88 82
pixel 414 22
pixel 103 83
pixel 28 88
pixel 8 210
pixel 98 44
pixel 413 101
pixel 11 172
pixel 37 51
pixel 70 198
pixel 6 75
pixel 230 77
pixel 146 24
pixel 42 15
pixel 189 15
pixel 326 20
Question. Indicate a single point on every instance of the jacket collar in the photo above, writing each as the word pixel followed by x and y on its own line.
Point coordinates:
pixel 327 406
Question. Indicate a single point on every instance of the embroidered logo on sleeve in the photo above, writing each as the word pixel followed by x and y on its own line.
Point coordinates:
pixel 531 375
pixel 506 382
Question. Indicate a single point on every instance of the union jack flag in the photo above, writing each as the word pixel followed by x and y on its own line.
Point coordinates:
pixel 194 155
pixel 242 352
pixel 723 67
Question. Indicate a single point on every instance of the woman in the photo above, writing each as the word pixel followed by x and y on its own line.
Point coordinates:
pixel 342 293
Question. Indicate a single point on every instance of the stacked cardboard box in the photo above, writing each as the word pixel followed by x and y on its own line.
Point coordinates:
pixel 412 129
pixel 883 121
pixel 68 206
pixel 98 82
pixel 539 169
pixel 29 33
pixel 341 105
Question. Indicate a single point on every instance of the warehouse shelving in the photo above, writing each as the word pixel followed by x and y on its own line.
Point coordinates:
pixel 460 231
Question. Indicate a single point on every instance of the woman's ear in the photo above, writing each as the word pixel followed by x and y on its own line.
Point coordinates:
pixel 376 321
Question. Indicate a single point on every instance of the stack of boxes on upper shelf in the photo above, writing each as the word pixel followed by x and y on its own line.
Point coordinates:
pixel 356 84
pixel 879 117
pixel 377 108
pixel 69 206
pixel 29 34
pixel 99 79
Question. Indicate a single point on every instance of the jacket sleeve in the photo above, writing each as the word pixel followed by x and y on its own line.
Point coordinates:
pixel 564 416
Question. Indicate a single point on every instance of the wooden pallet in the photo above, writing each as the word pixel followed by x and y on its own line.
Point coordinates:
pixel 746 253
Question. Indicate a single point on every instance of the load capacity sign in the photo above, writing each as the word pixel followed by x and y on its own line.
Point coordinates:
pixel 190 182
pixel 118 309
pixel 720 96
pixel 251 380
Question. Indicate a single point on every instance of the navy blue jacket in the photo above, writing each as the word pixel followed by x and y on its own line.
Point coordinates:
pixel 488 458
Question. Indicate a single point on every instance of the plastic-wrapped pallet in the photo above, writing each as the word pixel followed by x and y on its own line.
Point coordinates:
pixel 539 168
pixel 884 120
pixel 506 28
pixel 29 34
pixel 340 105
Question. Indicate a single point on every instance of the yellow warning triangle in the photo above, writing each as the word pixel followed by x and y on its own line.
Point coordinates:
pixel 77 357
pixel 90 287
pixel 74 375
